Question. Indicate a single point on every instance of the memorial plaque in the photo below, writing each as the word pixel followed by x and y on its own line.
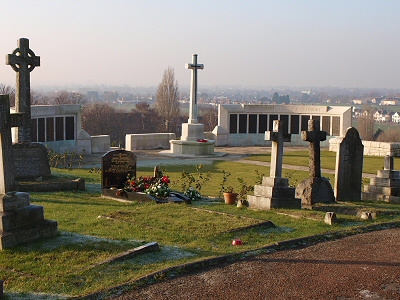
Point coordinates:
pixel 252 123
pixel 242 123
pixel 116 166
pixel 285 123
pixel 304 123
pixel 326 124
pixel 294 124
pixel 262 123
pixel 233 123
pixel 30 160
pixel 336 126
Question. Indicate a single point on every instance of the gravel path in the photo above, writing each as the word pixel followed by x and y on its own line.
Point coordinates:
pixel 364 266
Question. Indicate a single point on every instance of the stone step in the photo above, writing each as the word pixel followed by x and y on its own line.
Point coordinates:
pixel 380 197
pixel 275 181
pixel 265 203
pixel 44 229
pixel 28 215
pixel 384 182
pixel 388 174
pixel 274 192
pixel 382 190
pixel 12 201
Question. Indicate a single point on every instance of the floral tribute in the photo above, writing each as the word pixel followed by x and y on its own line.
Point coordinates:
pixel 154 186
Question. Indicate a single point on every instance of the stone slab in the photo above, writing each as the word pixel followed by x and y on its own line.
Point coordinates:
pixel 265 203
pixel 29 215
pixel 382 190
pixel 388 174
pixel 179 147
pixel 30 160
pixel 385 182
pixel 274 192
pixel 142 197
pixel 45 229
pixel 275 181
pixel 192 132
pixel 380 197
pixel 71 185
pixel 13 200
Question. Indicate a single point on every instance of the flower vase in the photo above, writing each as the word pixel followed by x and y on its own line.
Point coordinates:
pixel 230 198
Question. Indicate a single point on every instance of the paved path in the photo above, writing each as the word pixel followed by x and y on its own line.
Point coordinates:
pixel 364 266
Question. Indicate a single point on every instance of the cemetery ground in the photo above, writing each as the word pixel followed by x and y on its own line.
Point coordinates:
pixel 94 229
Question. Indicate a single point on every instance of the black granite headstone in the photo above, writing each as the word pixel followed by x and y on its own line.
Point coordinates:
pixel 116 166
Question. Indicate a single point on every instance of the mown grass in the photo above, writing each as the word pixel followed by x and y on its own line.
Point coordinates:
pixel 93 229
pixel 328 160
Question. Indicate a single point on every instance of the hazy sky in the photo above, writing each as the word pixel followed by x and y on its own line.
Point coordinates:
pixel 246 43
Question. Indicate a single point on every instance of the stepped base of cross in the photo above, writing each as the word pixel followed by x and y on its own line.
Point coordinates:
pixel 21 221
pixel 384 187
pixel 192 142
pixel 274 192
pixel 314 190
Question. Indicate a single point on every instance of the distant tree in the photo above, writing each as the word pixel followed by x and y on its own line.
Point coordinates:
pixel 275 98
pixel 64 97
pixel 366 125
pixel 390 135
pixel 284 99
pixel 98 118
pixel 8 90
pixel 38 98
pixel 148 117
pixel 208 115
pixel 264 100
pixel 110 97
pixel 167 104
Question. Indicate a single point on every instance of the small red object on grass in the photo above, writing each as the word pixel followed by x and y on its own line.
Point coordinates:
pixel 236 242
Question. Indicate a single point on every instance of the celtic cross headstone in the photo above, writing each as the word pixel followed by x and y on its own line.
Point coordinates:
pixel 23 60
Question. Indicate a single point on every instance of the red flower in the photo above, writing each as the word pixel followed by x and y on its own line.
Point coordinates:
pixel 146 185
pixel 165 179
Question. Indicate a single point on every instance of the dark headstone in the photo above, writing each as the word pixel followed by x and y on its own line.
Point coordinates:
pixel 349 165
pixel 30 160
pixel 116 166
pixel 315 188
pixel 388 163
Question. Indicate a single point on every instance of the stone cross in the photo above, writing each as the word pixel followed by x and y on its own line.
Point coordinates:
pixel 194 66
pixel 278 138
pixel 23 60
pixel 7 120
pixel 314 136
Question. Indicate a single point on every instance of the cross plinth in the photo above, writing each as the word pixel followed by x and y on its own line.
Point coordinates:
pixel 23 60
pixel 278 137
pixel 194 66
pixel 314 135
pixel 7 120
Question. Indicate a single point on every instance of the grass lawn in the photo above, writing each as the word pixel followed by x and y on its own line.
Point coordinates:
pixel 93 229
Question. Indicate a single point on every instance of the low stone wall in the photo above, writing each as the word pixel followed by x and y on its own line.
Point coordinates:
pixel 100 143
pixel 148 141
pixel 371 148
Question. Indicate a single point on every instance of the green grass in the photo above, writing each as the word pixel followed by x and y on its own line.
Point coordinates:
pixel 328 160
pixel 93 229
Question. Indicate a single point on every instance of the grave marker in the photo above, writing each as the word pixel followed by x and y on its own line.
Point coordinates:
pixel 116 166
pixel 349 165
pixel 23 60
pixel 274 192
pixel 194 66
pixel 314 189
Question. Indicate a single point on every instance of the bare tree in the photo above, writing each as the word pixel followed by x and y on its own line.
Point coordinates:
pixel 167 104
pixel 390 135
pixel 64 97
pixel 366 125
pixel 208 115
pixel 38 98
pixel 98 118
pixel 148 117
pixel 8 90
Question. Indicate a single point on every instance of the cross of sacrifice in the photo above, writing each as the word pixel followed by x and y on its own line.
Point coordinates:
pixel 194 66
pixel 23 60
pixel 7 120
pixel 278 137
pixel 314 135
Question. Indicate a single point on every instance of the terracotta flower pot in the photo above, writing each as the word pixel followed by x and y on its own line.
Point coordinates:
pixel 230 198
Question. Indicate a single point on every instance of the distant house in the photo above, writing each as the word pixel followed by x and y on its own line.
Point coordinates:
pixel 357 101
pixel 390 101
pixel 396 117
pixel 357 112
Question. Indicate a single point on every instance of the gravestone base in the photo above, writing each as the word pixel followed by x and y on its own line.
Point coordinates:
pixel 192 132
pixel 385 187
pixel 273 193
pixel 314 190
pixel 192 148
pixel 21 222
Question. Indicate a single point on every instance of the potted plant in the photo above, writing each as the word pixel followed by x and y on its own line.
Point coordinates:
pixel 244 189
pixel 229 195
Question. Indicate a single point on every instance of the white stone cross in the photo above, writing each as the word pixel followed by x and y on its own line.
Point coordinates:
pixel 278 138
pixel 193 89
pixel 7 120
pixel 23 60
